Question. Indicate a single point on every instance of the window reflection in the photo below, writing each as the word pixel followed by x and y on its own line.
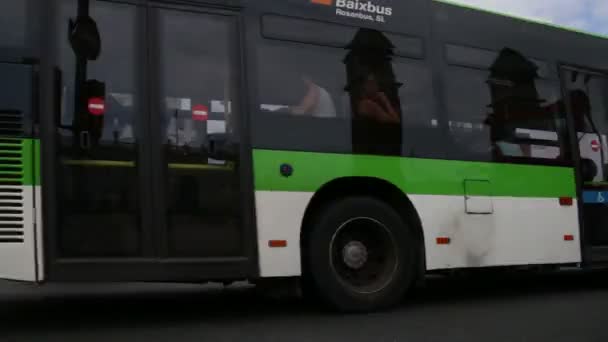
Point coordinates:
pixel 110 77
pixel 504 113
pixel 13 20
pixel 371 83
pixel 359 98
pixel 98 193
pixel 516 105
pixel 374 94
pixel 587 94
pixel 200 138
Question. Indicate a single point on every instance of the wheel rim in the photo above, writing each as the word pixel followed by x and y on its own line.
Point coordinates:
pixel 363 255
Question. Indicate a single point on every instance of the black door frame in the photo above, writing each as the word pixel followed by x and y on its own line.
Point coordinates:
pixel 587 249
pixel 145 268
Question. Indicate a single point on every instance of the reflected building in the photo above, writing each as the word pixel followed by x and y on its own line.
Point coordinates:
pixel 516 102
pixel 373 92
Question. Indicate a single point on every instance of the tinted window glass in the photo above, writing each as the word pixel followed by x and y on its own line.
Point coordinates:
pixel 283 87
pixel 589 107
pixel 330 34
pixel 357 99
pixel 115 69
pixel 13 18
pixel 506 113
pixel 98 179
pixel 422 136
pixel 200 108
pixel 484 59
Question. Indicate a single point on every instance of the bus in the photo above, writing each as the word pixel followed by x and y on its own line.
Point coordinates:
pixel 350 146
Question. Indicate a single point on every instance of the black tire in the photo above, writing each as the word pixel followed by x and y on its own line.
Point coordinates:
pixel 360 255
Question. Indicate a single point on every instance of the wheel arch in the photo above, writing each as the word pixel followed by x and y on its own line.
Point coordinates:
pixel 377 188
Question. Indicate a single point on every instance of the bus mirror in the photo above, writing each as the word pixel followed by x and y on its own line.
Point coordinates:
pixel 84 38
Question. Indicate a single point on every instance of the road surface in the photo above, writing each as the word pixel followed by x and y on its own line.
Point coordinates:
pixel 570 307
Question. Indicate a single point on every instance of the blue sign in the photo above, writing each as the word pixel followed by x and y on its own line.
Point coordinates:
pixel 595 197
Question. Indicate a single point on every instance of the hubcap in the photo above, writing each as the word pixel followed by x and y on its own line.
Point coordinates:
pixel 354 254
pixel 363 255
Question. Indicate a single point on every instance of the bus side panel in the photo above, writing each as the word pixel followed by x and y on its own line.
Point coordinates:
pixel 279 217
pixel 18 174
pixel 527 225
pixel 524 231
pixel 521 231
pixel 18 235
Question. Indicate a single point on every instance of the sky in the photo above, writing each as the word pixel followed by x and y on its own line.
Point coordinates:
pixel 586 15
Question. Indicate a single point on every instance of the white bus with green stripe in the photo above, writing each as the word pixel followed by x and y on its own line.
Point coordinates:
pixel 348 147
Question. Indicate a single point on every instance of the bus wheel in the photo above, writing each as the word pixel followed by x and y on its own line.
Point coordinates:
pixel 360 255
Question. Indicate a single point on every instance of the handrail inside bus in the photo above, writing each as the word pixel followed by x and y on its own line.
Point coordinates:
pixel 132 164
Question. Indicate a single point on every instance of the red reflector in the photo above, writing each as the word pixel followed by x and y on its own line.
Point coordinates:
pixel 568 237
pixel 566 201
pixel 277 243
pixel 443 240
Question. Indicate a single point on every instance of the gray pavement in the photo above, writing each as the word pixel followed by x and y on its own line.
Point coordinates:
pixel 570 307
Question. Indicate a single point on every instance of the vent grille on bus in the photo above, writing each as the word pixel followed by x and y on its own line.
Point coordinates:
pixel 11 162
pixel 11 123
pixel 11 215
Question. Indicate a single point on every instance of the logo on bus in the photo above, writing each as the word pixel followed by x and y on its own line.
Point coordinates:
pixel 359 9
pixel 323 2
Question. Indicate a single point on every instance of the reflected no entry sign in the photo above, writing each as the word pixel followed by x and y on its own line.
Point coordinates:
pixel 97 106
pixel 200 113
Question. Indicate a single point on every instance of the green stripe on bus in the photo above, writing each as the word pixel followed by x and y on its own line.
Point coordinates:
pixel 19 161
pixel 412 176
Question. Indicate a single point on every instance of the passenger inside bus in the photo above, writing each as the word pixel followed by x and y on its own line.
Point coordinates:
pixel 374 104
pixel 317 101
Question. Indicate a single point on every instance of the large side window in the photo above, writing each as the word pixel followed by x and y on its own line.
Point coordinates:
pixel 18 25
pixel 362 93
pixel 13 17
pixel 300 90
pixel 421 134
pixel 199 84
pixel 588 95
pixel 98 130
pixel 501 109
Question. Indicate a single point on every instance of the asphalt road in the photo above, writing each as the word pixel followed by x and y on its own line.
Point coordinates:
pixel 571 307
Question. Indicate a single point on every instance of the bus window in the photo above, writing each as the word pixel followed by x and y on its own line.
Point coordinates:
pixel 13 23
pixel 19 28
pixel 360 98
pixel 504 113
pixel 330 34
pixel 484 59
pixel 589 107
pixel 422 136
pixel 98 135
pixel 199 123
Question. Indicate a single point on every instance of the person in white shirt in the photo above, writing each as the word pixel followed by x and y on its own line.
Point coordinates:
pixel 317 102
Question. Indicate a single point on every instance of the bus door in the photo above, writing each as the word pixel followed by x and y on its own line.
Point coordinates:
pixel 149 153
pixel 587 99
pixel 196 135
